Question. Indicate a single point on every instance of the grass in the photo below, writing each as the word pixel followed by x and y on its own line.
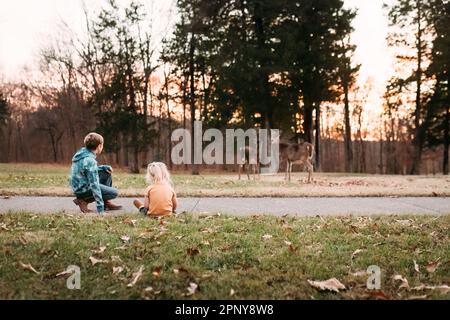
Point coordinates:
pixel 222 255
pixel 50 180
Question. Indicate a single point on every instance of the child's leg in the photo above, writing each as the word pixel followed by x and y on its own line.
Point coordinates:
pixel 140 206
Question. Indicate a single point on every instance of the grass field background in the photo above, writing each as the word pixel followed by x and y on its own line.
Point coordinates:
pixel 48 180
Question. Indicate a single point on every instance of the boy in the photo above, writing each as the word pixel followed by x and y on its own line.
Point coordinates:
pixel 90 182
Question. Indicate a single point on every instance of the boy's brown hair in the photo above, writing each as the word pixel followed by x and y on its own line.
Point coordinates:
pixel 93 140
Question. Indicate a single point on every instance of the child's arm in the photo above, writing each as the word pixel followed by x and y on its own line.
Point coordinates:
pixel 147 198
pixel 94 183
pixel 174 202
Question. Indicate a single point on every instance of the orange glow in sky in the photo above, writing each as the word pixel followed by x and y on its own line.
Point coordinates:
pixel 26 25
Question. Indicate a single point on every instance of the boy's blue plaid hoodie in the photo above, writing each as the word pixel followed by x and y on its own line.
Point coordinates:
pixel 84 176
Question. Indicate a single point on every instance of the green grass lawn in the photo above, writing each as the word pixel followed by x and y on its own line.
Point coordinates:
pixel 50 180
pixel 226 257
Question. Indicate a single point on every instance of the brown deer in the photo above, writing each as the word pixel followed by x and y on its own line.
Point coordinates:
pixel 246 165
pixel 301 153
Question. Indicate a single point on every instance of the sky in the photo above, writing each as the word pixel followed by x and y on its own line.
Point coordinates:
pixel 26 25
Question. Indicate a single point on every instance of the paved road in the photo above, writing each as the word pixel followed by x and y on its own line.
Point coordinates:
pixel 250 206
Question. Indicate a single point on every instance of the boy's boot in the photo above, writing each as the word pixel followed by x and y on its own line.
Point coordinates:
pixel 111 206
pixel 82 204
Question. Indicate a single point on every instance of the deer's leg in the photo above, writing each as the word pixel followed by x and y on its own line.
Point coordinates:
pixel 239 170
pixel 290 170
pixel 287 170
pixel 310 170
pixel 248 170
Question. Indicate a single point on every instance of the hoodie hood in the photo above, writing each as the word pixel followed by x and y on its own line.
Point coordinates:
pixel 83 153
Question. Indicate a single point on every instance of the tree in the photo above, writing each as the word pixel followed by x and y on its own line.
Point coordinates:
pixel 438 131
pixel 413 16
pixel 347 74
pixel 121 101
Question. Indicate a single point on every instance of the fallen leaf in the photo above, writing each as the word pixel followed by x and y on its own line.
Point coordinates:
pixel 404 281
pixel 130 222
pixel 65 272
pixel 116 259
pixel 360 274
pixel 156 271
pixel 179 237
pixel 332 284
pixel 444 289
pixel 23 240
pixel 125 238
pixel 432 266
pixel 28 266
pixel 288 243
pixel 148 289
pixel 191 289
pixel 100 250
pixel 418 297
pixel 94 260
pixel 136 277
pixel 267 237
pixel 356 252
pixel 192 251
pixel 232 292
pixel 416 266
pixel 378 295
pixel 117 270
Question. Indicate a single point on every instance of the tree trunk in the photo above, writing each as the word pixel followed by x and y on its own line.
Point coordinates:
pixel 447 130
pixel 418 143
pixel 317 144
pixel 308 121
pixel 192 101
pixel 348 133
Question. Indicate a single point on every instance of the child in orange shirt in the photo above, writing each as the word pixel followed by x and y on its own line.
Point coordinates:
pixel 160 198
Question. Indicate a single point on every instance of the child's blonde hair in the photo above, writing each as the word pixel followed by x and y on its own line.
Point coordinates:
pixel 157 172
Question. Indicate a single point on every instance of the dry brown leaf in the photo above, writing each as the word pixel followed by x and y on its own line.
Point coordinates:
pixel 136 277
pixel 156 271
pixel 443 289
pixel 130 222
pixel 193 251
pixel 378 294
pixel 94 260
pixel 28 266
pixel 424 297
pixel 358 251
pixel 63 273
pixel 125 238
pixel 416 266
pixel 332 284
pixel 116 259
pixel 117 270
pixel 432 266
pixel 192 289
pixel 99 250
pixel 404 281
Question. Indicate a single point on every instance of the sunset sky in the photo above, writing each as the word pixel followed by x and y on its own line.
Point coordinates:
pixel 26 25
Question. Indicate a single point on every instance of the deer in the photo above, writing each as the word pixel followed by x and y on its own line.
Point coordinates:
pixel 247 156
pixel 300 153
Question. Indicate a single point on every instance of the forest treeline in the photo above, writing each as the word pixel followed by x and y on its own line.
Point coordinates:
pixel 281 64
